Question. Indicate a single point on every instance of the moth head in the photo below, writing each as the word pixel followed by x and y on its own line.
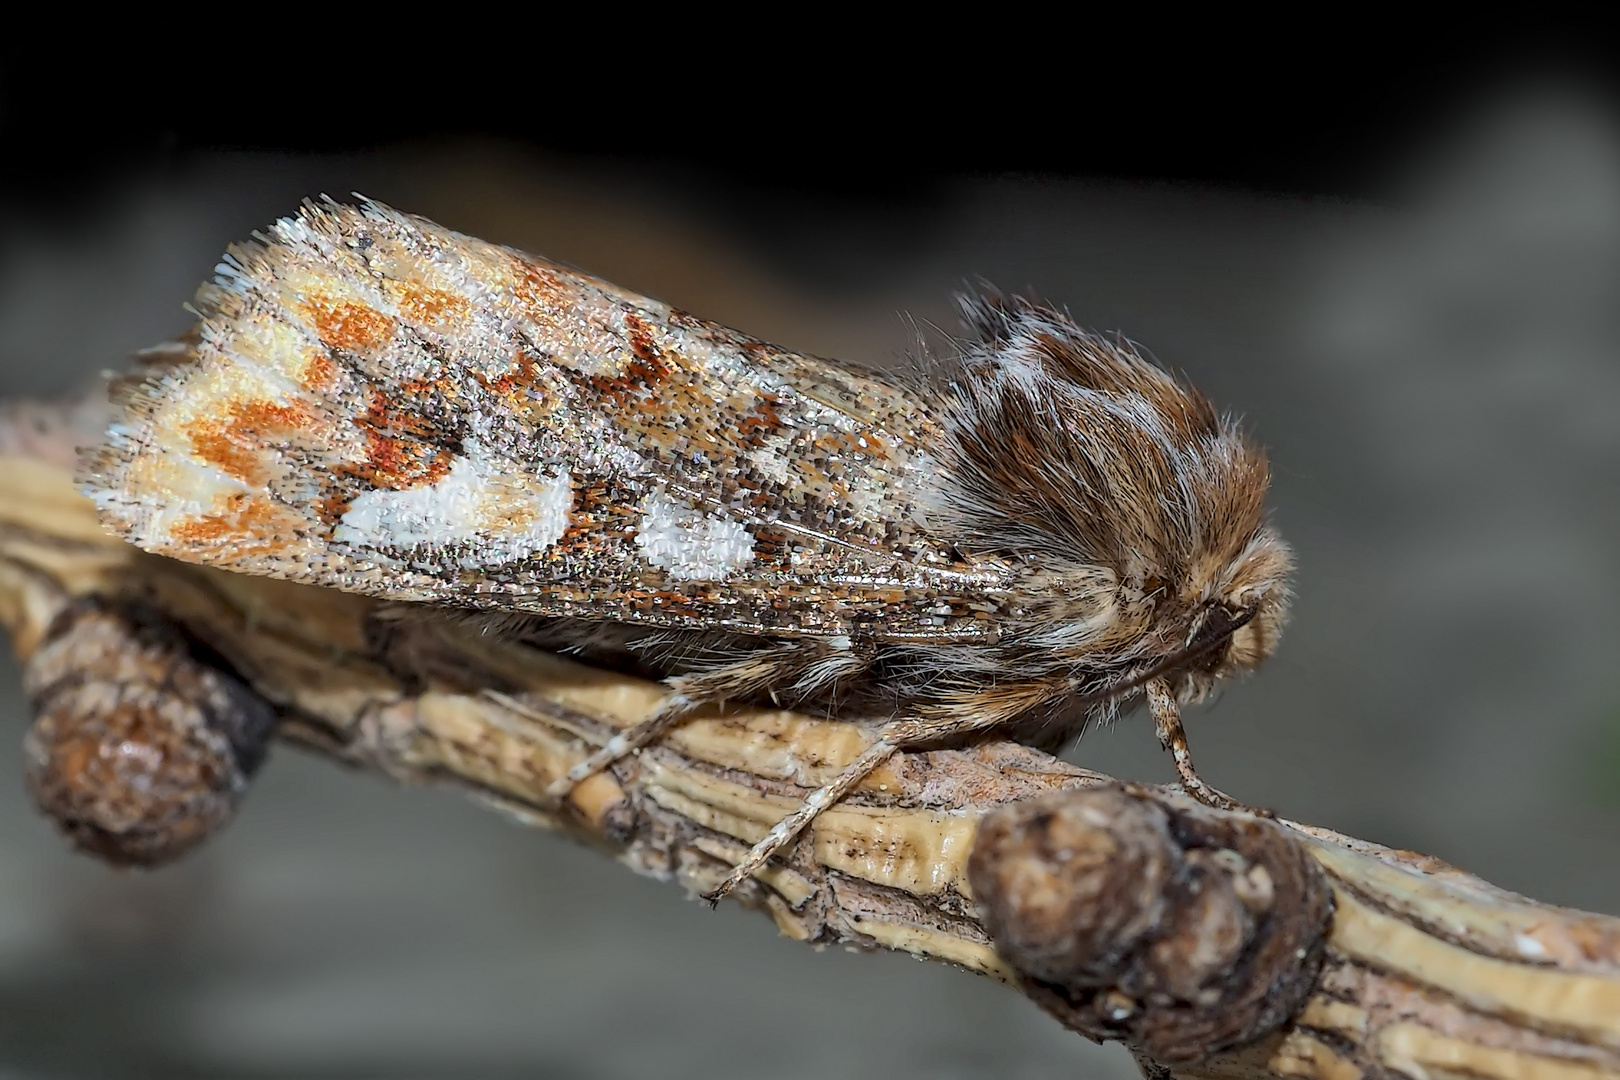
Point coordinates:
pixel 1139 510
pixel 1219 617
pixel 1232 615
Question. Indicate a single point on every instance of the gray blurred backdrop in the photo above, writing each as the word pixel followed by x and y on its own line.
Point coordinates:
pixel 1438 380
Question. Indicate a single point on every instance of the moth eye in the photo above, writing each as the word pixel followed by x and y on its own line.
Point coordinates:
pixel 1218 626
pixel 1212 663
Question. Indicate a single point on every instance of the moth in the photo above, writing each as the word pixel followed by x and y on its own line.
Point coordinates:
pixel 1025 536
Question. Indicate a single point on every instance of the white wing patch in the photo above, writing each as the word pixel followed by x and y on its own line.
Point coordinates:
pixel 689 545
pixel 485 507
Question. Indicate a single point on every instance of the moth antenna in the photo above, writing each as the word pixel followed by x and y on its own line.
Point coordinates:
pixel 516 707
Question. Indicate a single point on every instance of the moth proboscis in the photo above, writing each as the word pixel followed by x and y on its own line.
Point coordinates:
pixel 1023 537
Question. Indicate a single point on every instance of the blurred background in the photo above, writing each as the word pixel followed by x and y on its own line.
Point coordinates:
pixel 1405 278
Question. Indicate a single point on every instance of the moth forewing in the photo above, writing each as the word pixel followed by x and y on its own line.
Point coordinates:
pixel 378 404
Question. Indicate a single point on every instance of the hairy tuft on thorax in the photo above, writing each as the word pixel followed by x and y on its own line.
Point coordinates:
pixel 1073 447
pixel 1075 454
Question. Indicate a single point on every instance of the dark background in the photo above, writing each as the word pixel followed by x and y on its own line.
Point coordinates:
pixel 1402 268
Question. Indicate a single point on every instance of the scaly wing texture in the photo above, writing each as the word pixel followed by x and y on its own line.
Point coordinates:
pixel 381 405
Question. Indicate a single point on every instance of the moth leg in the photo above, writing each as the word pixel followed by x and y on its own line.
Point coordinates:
pixel 966 718
pixel 1167 722
pixel 784 831
pixel 625 743
pixel 763 668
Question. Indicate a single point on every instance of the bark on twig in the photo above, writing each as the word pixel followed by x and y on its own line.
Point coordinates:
pixel 1214 944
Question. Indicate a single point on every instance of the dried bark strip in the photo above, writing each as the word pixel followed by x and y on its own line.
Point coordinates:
pixel 1424 971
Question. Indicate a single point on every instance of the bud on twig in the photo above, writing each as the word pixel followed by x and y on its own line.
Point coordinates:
pixel 139 748
pixel 1134 914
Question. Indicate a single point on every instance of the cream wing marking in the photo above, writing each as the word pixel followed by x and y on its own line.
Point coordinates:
pixel 689 545
pixel 484 503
